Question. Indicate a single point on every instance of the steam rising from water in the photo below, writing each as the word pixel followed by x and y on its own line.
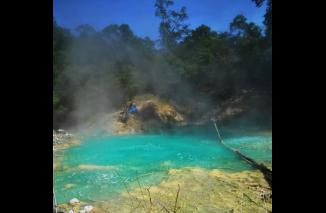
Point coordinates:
pixel 103 69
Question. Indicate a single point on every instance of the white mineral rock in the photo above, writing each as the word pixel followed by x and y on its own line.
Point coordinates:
pixel 74 201
pixel 88 208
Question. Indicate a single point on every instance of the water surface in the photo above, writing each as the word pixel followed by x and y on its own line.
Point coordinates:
pixel 103 166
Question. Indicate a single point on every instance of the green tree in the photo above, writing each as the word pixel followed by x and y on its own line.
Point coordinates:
pixel 241 27
pixel 267 17
pixel 208 61
pixel 172 28
pixel 254 56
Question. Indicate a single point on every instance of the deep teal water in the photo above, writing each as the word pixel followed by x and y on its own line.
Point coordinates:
pixel 147 158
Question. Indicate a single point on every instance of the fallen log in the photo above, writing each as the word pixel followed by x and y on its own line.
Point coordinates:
pixel 261 167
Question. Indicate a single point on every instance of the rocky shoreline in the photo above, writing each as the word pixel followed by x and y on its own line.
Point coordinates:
pixel 61 137
pixel 75 206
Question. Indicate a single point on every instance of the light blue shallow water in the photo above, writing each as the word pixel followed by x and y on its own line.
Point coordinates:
pixel 148 157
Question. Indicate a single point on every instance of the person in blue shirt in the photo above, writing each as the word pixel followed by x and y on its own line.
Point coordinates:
pixel 132 108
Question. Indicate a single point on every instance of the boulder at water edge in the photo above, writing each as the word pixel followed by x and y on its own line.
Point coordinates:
pixel 88 208
pixel 74 201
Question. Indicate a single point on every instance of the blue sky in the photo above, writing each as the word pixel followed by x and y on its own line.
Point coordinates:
pixel 139 14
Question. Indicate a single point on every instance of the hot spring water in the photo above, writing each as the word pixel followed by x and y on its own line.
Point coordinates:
pixel 102 167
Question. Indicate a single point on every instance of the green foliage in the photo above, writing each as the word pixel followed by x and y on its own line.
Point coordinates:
pixel 267 17
pixel 221 64
pixel 172 28
pixel 241 28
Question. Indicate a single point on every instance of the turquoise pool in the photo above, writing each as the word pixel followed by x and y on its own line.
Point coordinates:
pixel 101 167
